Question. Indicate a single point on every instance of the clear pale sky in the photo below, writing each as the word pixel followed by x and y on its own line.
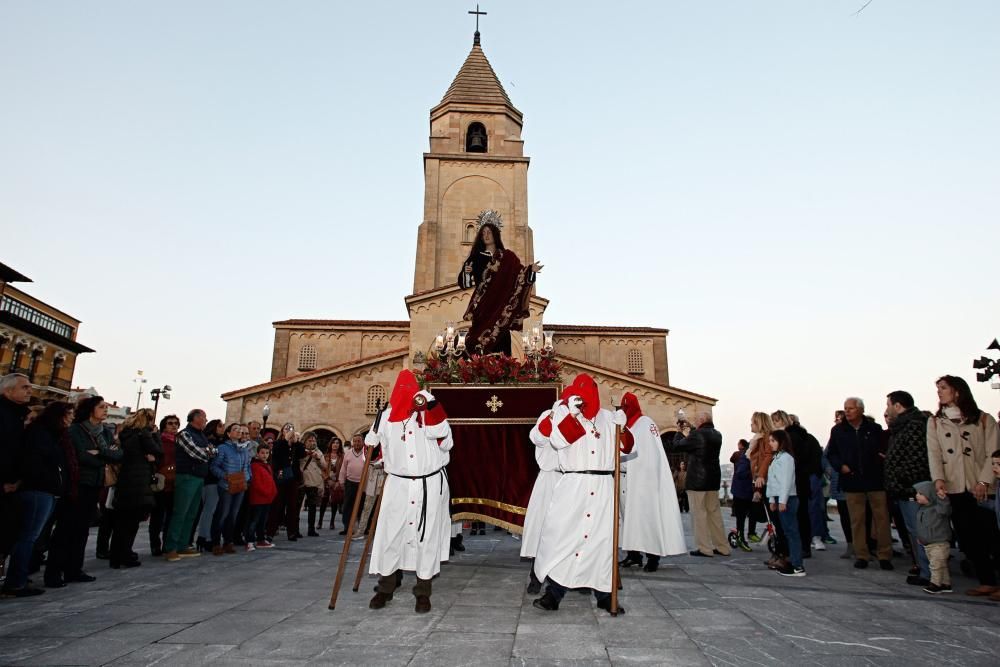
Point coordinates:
pixel 807 198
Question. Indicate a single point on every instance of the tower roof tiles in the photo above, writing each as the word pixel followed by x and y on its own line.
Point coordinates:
pixel 476 82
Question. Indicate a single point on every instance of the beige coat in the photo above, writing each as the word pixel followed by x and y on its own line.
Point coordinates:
pixel 960 453
pixel 313 470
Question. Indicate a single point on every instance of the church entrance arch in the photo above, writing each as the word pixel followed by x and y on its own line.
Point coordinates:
pixel 324 434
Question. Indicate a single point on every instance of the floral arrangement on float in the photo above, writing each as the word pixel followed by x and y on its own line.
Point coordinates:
pixel 491 369
pixel 449 362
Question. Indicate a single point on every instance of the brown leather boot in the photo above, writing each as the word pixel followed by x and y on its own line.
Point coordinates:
pixel 378 602
pixel 217 550
pixel 423 604
pixel 229 549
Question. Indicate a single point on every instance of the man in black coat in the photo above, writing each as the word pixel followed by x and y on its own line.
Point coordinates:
pixel 704 477
pixel 15 394
pixel 855 451
pixel 906 464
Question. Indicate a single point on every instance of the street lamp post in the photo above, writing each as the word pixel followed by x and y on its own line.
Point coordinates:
pixel 989 367
pixel 156 394
pixel 265 414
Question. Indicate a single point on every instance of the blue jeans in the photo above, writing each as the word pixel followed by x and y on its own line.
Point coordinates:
pixel 225 515
pixel 817 508
pixel 36 507
pixel 209 502
pixel 790 524
pixel 908 508
pixel 257 524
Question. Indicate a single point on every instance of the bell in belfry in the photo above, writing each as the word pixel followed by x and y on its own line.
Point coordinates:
pixel 476 142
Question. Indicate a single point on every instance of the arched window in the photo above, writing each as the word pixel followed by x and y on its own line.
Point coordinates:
pixel 634 362
pixel 475 138
pixel 470 233
pixel 376 397
pixel 307 358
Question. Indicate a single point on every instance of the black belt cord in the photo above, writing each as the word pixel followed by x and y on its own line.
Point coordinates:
pixel 422 525
pixel 588 472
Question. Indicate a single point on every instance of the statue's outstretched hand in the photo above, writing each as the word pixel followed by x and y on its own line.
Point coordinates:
pixel 537 267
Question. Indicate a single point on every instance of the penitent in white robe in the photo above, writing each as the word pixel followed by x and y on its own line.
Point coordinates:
pixel 411 448
pixel 651 515
pixel 575 548
pixel 541 493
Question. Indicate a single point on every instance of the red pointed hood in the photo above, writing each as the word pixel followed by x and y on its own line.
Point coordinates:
pixel 585 387
pixel 630 405
pixel 401 400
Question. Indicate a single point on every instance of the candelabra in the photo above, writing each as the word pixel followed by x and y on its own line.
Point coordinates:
pixel 449 346
pixel 537 346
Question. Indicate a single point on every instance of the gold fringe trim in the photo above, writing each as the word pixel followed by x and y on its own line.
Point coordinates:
pixel 472 516
pixel 495 504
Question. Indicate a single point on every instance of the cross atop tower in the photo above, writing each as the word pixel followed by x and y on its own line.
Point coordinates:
pixel 477 13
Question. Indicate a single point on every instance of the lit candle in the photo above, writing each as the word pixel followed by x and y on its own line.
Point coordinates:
pixel 534 333
pixel 461 341
pixel 524 340
pixel 439 342
pixel 548 341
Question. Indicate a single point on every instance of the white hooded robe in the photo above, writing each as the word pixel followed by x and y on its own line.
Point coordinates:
pixel 651 516
pixel 541 493
pixel 412 448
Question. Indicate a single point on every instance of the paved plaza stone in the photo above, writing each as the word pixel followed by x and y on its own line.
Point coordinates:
pixel 270 608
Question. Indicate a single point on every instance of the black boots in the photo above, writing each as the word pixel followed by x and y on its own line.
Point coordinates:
pixel 547 602
pixel 652 563
pixel 633 558
pixel 312 522
pixel 605 604
pixel 534 585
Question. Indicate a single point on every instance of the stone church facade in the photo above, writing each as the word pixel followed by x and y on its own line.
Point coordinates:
pixel 326 375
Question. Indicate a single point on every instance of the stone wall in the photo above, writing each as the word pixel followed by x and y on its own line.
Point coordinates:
pixel 339 347
pixel 612 350
pixel 659 405
pixel 336 402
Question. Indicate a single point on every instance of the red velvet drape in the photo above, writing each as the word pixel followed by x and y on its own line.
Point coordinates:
pixel 494 462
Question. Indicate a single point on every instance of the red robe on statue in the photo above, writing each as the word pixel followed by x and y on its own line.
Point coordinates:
pixel 499 303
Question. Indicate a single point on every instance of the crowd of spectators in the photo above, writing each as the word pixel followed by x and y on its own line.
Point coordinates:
pixel 212 487
pixel 208 487
pixel 931 475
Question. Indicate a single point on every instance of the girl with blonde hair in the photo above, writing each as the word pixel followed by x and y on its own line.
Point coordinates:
pixel 760 455
pixel 133 494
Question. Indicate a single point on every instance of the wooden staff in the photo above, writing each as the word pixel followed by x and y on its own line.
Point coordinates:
pixel 350 524
pixel 368 542
pixel 615 576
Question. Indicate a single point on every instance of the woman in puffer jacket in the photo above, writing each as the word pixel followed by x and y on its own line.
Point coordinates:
pixel 230 465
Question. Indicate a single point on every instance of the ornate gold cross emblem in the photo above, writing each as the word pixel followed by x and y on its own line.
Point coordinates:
pixel 494 403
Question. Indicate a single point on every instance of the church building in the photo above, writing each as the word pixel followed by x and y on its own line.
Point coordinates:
pixel 327 375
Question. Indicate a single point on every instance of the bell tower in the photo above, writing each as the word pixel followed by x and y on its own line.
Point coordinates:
pixel 476 162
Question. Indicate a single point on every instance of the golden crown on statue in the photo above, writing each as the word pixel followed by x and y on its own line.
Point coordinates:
pixel 489 217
